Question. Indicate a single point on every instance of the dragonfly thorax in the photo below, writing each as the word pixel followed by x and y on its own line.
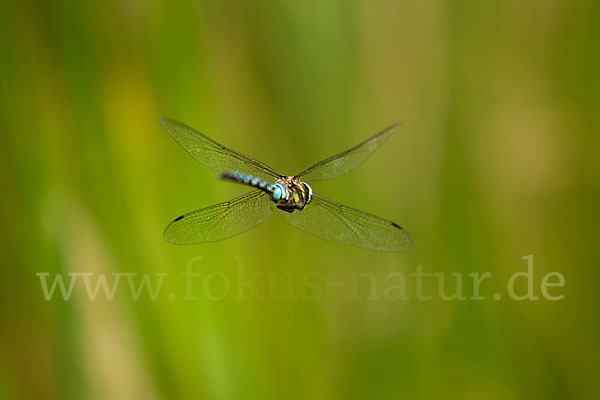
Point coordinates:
pixel 290 193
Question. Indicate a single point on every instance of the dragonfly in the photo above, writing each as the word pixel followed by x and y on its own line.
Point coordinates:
pixel 291 195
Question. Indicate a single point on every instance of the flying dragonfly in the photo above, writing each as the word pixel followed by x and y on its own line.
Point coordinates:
pixel 292 195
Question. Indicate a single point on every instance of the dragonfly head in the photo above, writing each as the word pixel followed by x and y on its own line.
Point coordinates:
pixel 290 193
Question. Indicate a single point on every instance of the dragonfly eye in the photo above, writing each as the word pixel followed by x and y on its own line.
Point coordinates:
pixel 309 190
pixel 279 191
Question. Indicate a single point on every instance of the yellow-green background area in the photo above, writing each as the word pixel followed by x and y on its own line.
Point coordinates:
pixel 497 160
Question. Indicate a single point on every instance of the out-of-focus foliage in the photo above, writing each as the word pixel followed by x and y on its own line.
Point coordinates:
pixel 497 159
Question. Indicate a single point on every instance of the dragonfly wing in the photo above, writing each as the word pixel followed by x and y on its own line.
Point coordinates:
pixel 214 156
pixel 337 223
pixel 220 221
pixel 346 161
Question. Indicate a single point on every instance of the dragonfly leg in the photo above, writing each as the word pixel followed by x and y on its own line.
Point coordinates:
pixel 287 209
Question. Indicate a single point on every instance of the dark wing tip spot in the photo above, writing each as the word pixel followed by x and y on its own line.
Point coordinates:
pixel 393 224
pixel 178 218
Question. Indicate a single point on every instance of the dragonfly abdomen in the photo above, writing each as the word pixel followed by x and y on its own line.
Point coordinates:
pixel 248 179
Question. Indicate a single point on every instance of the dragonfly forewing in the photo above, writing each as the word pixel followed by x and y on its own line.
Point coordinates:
pixel 213 155
pixel 346 161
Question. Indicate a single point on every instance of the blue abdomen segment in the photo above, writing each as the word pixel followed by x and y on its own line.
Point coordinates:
pixel 248 179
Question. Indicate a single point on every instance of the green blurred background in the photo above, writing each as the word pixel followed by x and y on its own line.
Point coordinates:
pixel 497 159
